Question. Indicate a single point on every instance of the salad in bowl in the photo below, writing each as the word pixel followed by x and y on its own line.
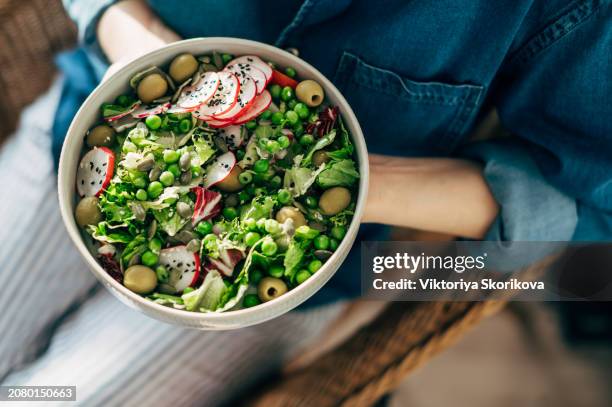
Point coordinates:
pixel 216 182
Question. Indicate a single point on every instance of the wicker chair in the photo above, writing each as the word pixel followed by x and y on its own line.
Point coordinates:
pixel 367 365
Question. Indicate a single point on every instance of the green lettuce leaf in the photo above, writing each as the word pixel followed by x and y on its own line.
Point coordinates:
pixel 340 173
pixel 293 259
pixel 320 144
pixel 260 207
pixel 298 179
pixel 208 295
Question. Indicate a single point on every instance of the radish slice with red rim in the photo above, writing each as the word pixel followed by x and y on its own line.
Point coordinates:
pixel 246 96
pixel 149 110
pixel 233 136
pixel 219 169
pixel 218 124
pixel 95 171
pixel 200 92
pixel 260 104
pixel 224 98
pixel 183 266
pixel 245 70
pixel 254 61
pixel 124 113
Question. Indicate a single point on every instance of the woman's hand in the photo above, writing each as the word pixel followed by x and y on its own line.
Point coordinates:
pixel 435 194
pixel 130 29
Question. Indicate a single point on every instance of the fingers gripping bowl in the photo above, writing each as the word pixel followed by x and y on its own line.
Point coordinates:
pixel 219 182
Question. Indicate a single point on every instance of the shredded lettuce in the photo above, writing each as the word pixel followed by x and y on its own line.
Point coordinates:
pixel 260 207
pixel 320 144
pixel 204 149
pixel 208 295
pixel 298 179
pixel 293 258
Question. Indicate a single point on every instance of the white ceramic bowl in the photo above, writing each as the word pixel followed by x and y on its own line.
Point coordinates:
pixel 88 114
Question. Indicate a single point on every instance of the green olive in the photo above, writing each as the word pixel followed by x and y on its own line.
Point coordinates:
pixel 87 211
pixel 101 135
pixel 152 87
pixel 334 200
pixel 182 67
pixel 140 279
pixel 270 288
pixel 310 92
pixel 231 182
pixel 290 212
pixel 320 157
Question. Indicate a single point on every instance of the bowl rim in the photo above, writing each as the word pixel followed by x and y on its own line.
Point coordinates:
pixel 246 316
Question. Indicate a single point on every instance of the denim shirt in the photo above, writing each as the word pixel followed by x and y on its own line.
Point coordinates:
pixel 418 74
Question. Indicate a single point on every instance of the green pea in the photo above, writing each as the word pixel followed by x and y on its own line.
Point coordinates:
pixel 171 156
pixel 240 154
pixel 149 258
pixel 290 72
pixel 184 125
pixel 275 91
pixel 283 141
pixel 338 232
pixel 283 196
pixel 292 117
pixel 269 247
pixel 302 110
pixel 175 170
pixel 250 300
pixel 141 195
pixel 262 142
pixel 230 213
pixel 155 245
pixel 129 147
pixel 204 227
pixel 261 224
pixel 251 125
pixel 321 242
pixel 195 172
pixel 333 244
pixel 155 189
pixel 244 196
pixel 273 146
pixel 272 226
pixel 302 276
pixel 250 224
pixel 277 118
pixel 261 166
pixel 166 178
pixel 266 114
pixel 162 274
pixel 251 238
pixel 276 271
pixel 298 129
pixel 245 178
pixel 291 104
pixel 140 182
pixel 153 122
pixel 276 181
pixel 287 93
pixel 256 276
pixel 188 290
pixel 124 100
pixel 312 202
pixel 306 140
pixel 226 58
pixel 314 265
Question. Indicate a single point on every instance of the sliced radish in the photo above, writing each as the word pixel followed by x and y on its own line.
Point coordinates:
pixel 283 80
pixel 233 136
pixel 224 98
pixel 126 122
pixel 200 92
pixel 207 205
pixel 261 103
pixel 246 96
pixel 219 169
pixel 256 62
pixel 218 124
pixel 124 113
pixel 95 171
pixel 176 109
pixel 183 266
pixel 245 70
pixel 149 110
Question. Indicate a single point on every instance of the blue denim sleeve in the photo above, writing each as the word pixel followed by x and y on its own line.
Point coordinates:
pixel 86 14
pixel 531 209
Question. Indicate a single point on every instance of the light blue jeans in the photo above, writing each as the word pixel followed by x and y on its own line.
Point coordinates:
pixel 59 327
